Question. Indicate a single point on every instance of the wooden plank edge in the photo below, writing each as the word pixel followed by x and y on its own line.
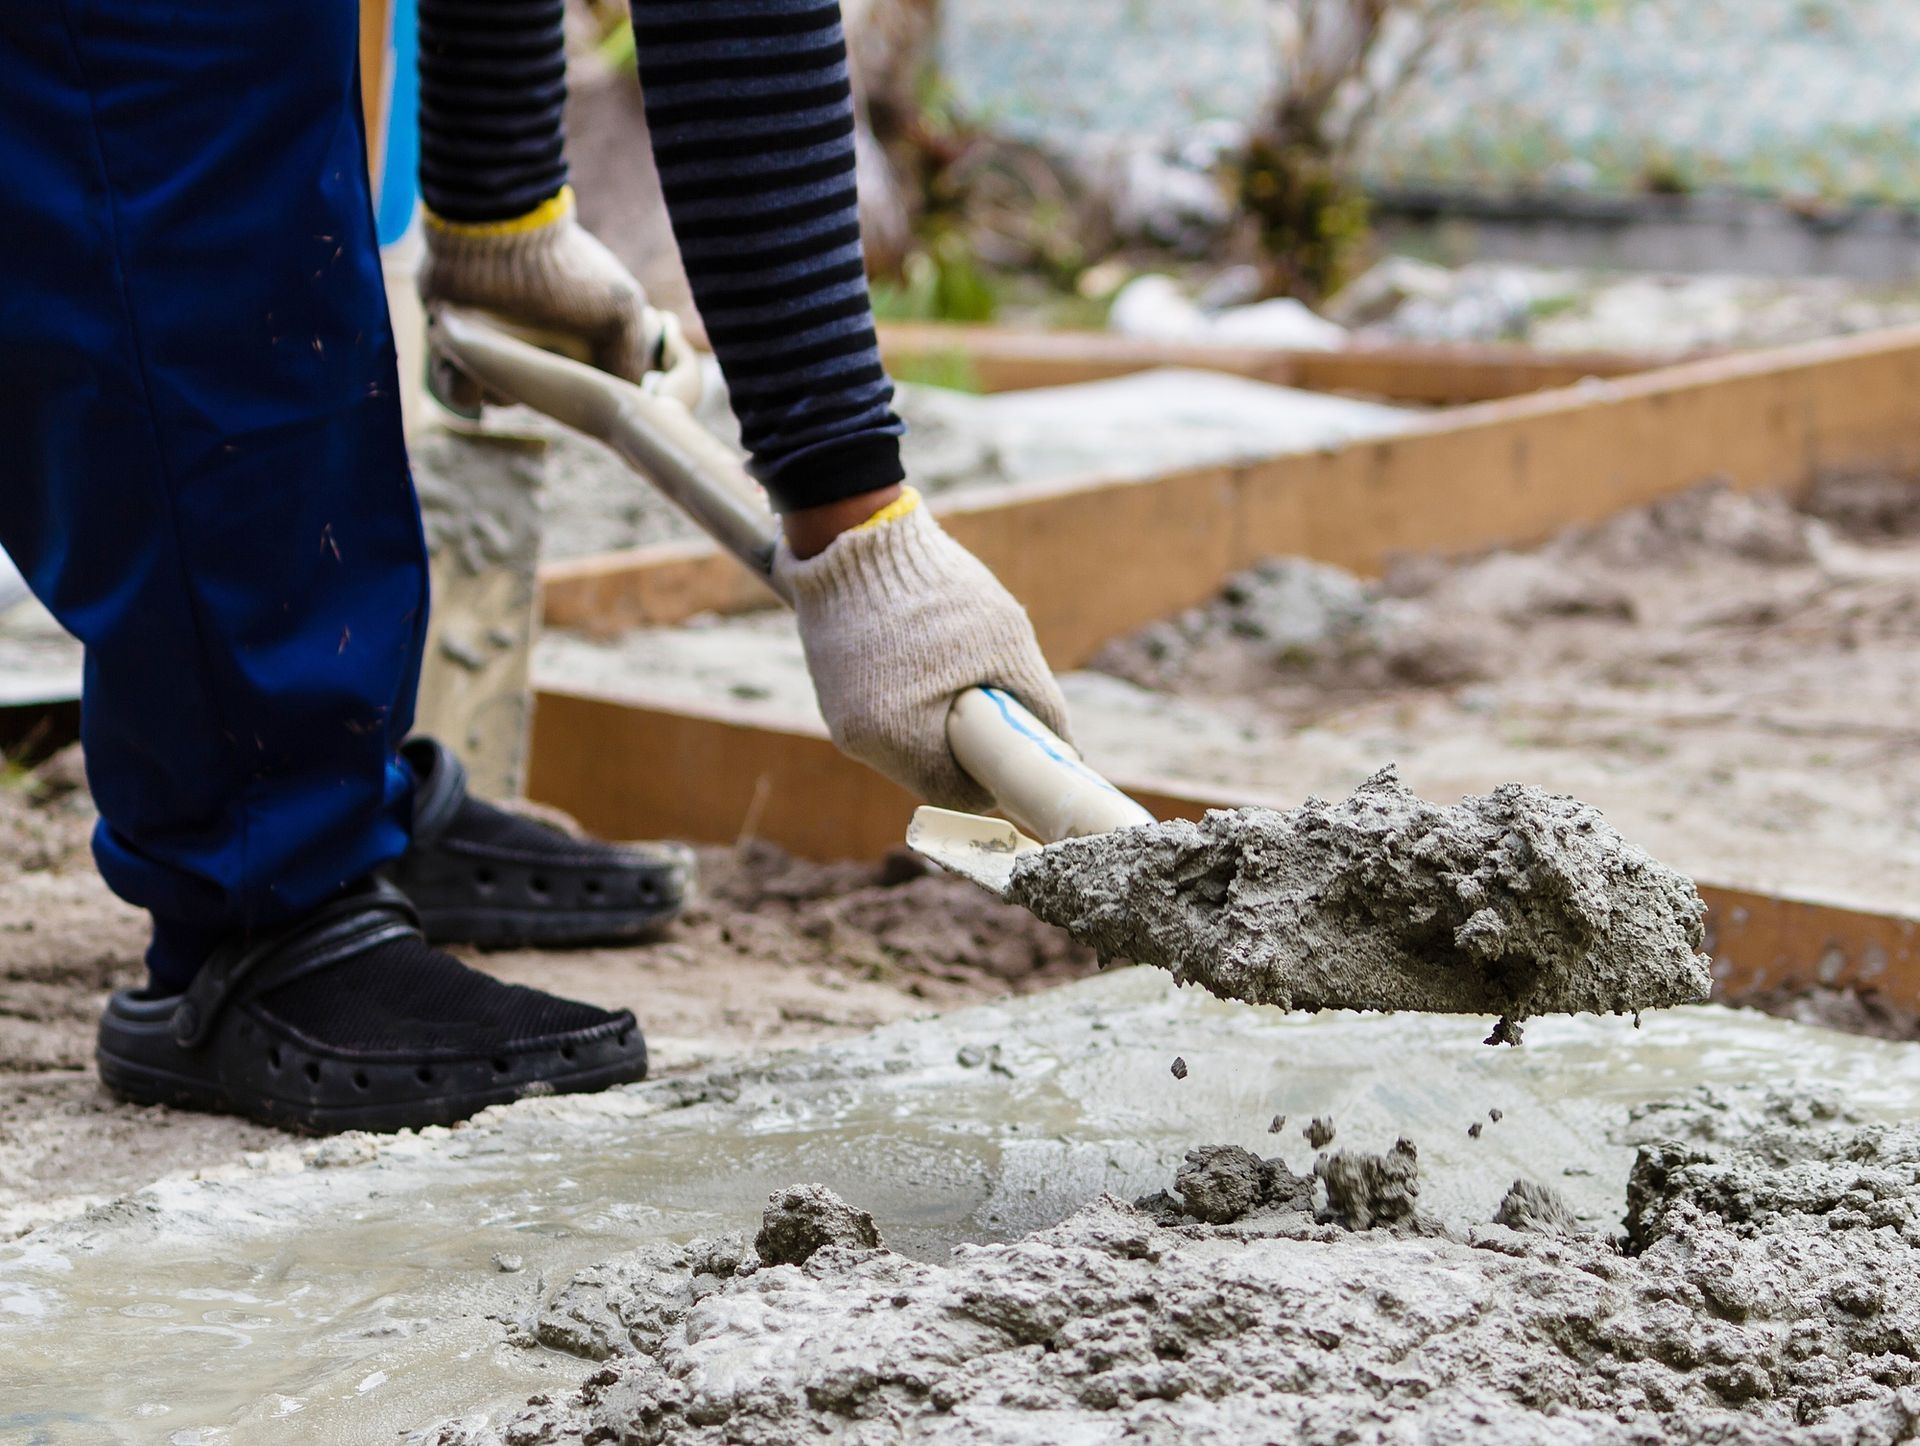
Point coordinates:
pixel 997 359
pixel 1509 472
pixel 664 583
pixel 717 773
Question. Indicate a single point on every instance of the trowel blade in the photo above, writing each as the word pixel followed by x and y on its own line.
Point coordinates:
pixel 967 844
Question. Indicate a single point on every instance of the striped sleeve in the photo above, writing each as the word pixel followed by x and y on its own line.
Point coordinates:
pixel 752 121
pixel 493 84
pixel 751 113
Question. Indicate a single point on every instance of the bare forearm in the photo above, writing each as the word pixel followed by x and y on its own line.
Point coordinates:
pixel 810 529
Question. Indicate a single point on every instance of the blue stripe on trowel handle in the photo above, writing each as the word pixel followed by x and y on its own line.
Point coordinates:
pixel 1028 726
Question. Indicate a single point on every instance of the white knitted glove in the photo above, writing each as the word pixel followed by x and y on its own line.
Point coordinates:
pixel 897 619
pixel 545 270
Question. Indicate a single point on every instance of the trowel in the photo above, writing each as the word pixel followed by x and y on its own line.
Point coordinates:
pixel 1038 780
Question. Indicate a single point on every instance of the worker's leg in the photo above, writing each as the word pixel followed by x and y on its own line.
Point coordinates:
pixel 203 474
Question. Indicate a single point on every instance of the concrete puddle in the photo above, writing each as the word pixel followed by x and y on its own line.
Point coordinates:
pixel 353 1284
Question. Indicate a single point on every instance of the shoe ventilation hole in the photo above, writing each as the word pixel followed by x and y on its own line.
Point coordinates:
pixel 537 886
pixel 503 1066
pixel 273 1057
pixel 312 1072
pixel 360 1080
pixel 424 1075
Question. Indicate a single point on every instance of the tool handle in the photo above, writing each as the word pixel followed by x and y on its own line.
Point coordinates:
pixel 1036 777
pixel 650 426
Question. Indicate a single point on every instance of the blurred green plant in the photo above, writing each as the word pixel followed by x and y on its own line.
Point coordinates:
pixel 951 371
pixel 939 281
pixel 1337 63
pixel 1543 308
pixel 1340 66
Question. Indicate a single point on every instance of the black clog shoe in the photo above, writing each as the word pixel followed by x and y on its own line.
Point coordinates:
pixel 350 1020
pixel 482 875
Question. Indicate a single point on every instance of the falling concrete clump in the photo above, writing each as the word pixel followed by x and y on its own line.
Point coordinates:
pixel 1528 1205
pixel 1516 903
pixel 1319 1131
pixel 1364 1190
pixel 807 1218
pixel 1220 1183
pixel 1767 1287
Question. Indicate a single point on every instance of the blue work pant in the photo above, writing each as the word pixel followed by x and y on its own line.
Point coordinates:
pixel 201 466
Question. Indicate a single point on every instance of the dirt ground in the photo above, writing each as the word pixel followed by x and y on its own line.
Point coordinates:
pixel 774 953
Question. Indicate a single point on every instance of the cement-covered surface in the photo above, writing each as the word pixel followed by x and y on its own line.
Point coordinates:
pixel 1129 426
pixel 39 661
pixel 1764 1288
pixel 773 952
pixel 353 1284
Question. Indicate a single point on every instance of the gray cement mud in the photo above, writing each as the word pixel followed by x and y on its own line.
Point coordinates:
pixel 1512 904
pixel 1764 1285
pixel 348 1291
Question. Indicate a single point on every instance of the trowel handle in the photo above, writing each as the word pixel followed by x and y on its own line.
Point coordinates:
pixel 1035 776
pixel 650 426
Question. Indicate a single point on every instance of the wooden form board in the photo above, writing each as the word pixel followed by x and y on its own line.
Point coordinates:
pixel 998 359
pixel 376 51
pixel 714 775
pixel 1095 558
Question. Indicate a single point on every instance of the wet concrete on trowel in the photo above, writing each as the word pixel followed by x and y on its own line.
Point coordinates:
pixel 1516 903
pixel 352 1283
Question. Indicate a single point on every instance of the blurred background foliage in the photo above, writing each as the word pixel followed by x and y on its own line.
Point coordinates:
pixel 1018 154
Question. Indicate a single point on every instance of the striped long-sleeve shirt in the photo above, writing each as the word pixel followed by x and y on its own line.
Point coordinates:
pixel 751 115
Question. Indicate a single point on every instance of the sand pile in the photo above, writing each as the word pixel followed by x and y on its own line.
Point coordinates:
pixel 1766 1284
pixel 1513 904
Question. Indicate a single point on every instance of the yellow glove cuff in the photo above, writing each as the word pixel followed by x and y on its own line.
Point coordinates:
pixel 556 207
pixel 906 502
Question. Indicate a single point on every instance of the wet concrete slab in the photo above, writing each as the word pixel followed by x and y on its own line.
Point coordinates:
pixel 356 1286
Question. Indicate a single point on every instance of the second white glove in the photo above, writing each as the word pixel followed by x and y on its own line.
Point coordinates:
pixel 546 270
